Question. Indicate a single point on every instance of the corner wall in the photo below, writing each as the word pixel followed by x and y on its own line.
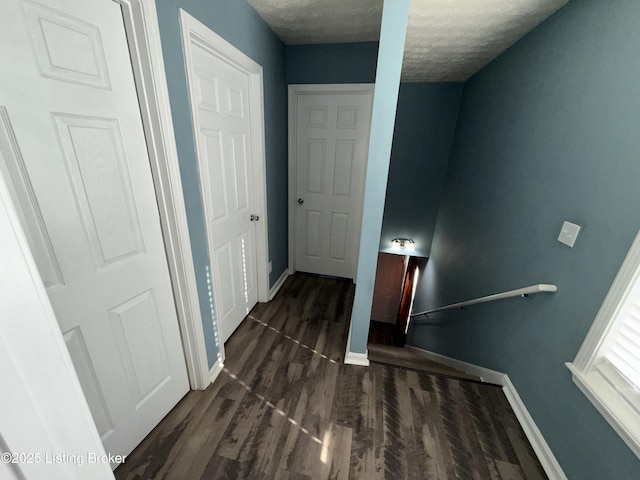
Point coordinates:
pixel 238 23
pixel 422 138
pixel 547 132
pixel 395 15
pixel 332 63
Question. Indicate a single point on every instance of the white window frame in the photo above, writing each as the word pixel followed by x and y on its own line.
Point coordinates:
pixel 603 390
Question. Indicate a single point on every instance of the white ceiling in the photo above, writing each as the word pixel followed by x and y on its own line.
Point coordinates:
pixel 447 40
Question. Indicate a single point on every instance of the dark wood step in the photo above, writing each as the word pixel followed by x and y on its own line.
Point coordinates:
pixel 405 358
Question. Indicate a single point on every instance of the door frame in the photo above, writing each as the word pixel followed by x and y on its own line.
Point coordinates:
pixel 143 37
pixel 295 91
pixel 196 33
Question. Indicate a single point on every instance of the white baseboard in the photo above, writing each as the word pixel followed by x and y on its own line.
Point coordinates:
pixel 276 286
pixel 538 443
pixel 215 370
pixel 486 375
pixel 352 358
pixel 548 460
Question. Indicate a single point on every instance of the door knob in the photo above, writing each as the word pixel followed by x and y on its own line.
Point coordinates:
pixel 300 201
pixel 254 218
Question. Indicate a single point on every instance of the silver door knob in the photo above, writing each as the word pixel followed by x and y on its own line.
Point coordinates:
pixel 300 201
pixel 254 218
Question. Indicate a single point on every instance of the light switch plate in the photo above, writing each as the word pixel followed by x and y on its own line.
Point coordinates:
pixel 569 233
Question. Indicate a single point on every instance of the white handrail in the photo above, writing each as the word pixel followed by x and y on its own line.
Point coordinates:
pixel 540 287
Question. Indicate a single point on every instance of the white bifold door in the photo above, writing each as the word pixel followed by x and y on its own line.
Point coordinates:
pixel 73 152
pixel 331 145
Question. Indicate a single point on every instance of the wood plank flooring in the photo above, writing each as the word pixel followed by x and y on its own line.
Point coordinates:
pixel 286 407
pixel 383 333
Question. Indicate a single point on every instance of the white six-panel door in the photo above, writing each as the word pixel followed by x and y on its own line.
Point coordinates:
pixel 73 152
pixel 331 145
pixel 221 112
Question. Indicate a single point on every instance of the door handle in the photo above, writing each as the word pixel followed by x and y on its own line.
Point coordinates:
pixel 300 201
pixel 254 218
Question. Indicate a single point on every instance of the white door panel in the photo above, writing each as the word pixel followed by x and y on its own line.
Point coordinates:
pixel 220 105
pixel 73 151
pixel 332 136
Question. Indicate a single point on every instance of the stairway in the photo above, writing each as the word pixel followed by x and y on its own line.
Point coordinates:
pixel 406 358
pixel 386 346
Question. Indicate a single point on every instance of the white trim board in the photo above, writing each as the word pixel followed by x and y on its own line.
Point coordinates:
pixel 591 370
pixel 361 359
pixel 602 324
pixel 143 37
pixel 548 460
pixel 278 285
pixel 216 370
pixel 293 93
pixel 354 358
pixel 486 375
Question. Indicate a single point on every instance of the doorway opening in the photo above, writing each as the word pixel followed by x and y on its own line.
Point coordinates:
pixel 393 293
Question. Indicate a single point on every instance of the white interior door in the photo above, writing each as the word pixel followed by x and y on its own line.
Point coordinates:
pixel 73 151
pixel 331 145
pixel 43 406
pixel 221 112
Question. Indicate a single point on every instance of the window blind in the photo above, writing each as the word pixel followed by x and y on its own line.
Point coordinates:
pixel 607 366
pixel 625 349
pixel 620 358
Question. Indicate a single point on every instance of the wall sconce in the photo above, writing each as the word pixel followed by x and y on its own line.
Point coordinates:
pixel 406 244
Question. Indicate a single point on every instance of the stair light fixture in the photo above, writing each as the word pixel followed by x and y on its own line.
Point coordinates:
pixel 406 244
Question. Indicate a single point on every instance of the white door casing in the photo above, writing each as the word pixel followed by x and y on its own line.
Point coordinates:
pixel 225 91
pixel 328 146
pixel 74 155
pixel 143 36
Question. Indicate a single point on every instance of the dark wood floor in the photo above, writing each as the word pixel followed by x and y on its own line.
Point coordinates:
pixel 286 407
pixel 383 333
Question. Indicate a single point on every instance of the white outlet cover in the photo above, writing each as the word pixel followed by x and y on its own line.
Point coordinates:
pixel 569 233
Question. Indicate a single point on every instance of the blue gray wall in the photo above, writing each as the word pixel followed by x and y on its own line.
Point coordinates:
pixel 240 25
pixel 422 138
pixel 332 63
pixel 547 132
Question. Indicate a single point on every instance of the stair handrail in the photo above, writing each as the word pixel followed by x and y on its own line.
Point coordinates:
pixel 519 292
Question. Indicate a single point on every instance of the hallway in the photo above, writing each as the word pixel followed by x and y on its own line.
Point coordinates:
pixel 286 407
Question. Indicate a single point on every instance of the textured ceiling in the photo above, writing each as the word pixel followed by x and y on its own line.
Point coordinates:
pixel 447 40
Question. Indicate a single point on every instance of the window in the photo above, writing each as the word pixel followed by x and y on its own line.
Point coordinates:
pixel 607 367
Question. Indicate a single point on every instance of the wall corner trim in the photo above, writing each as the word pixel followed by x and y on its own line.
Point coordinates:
pixel 355 358
pixel 216 370
pixel 276 286
pixel 352 358
pixel 548 460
